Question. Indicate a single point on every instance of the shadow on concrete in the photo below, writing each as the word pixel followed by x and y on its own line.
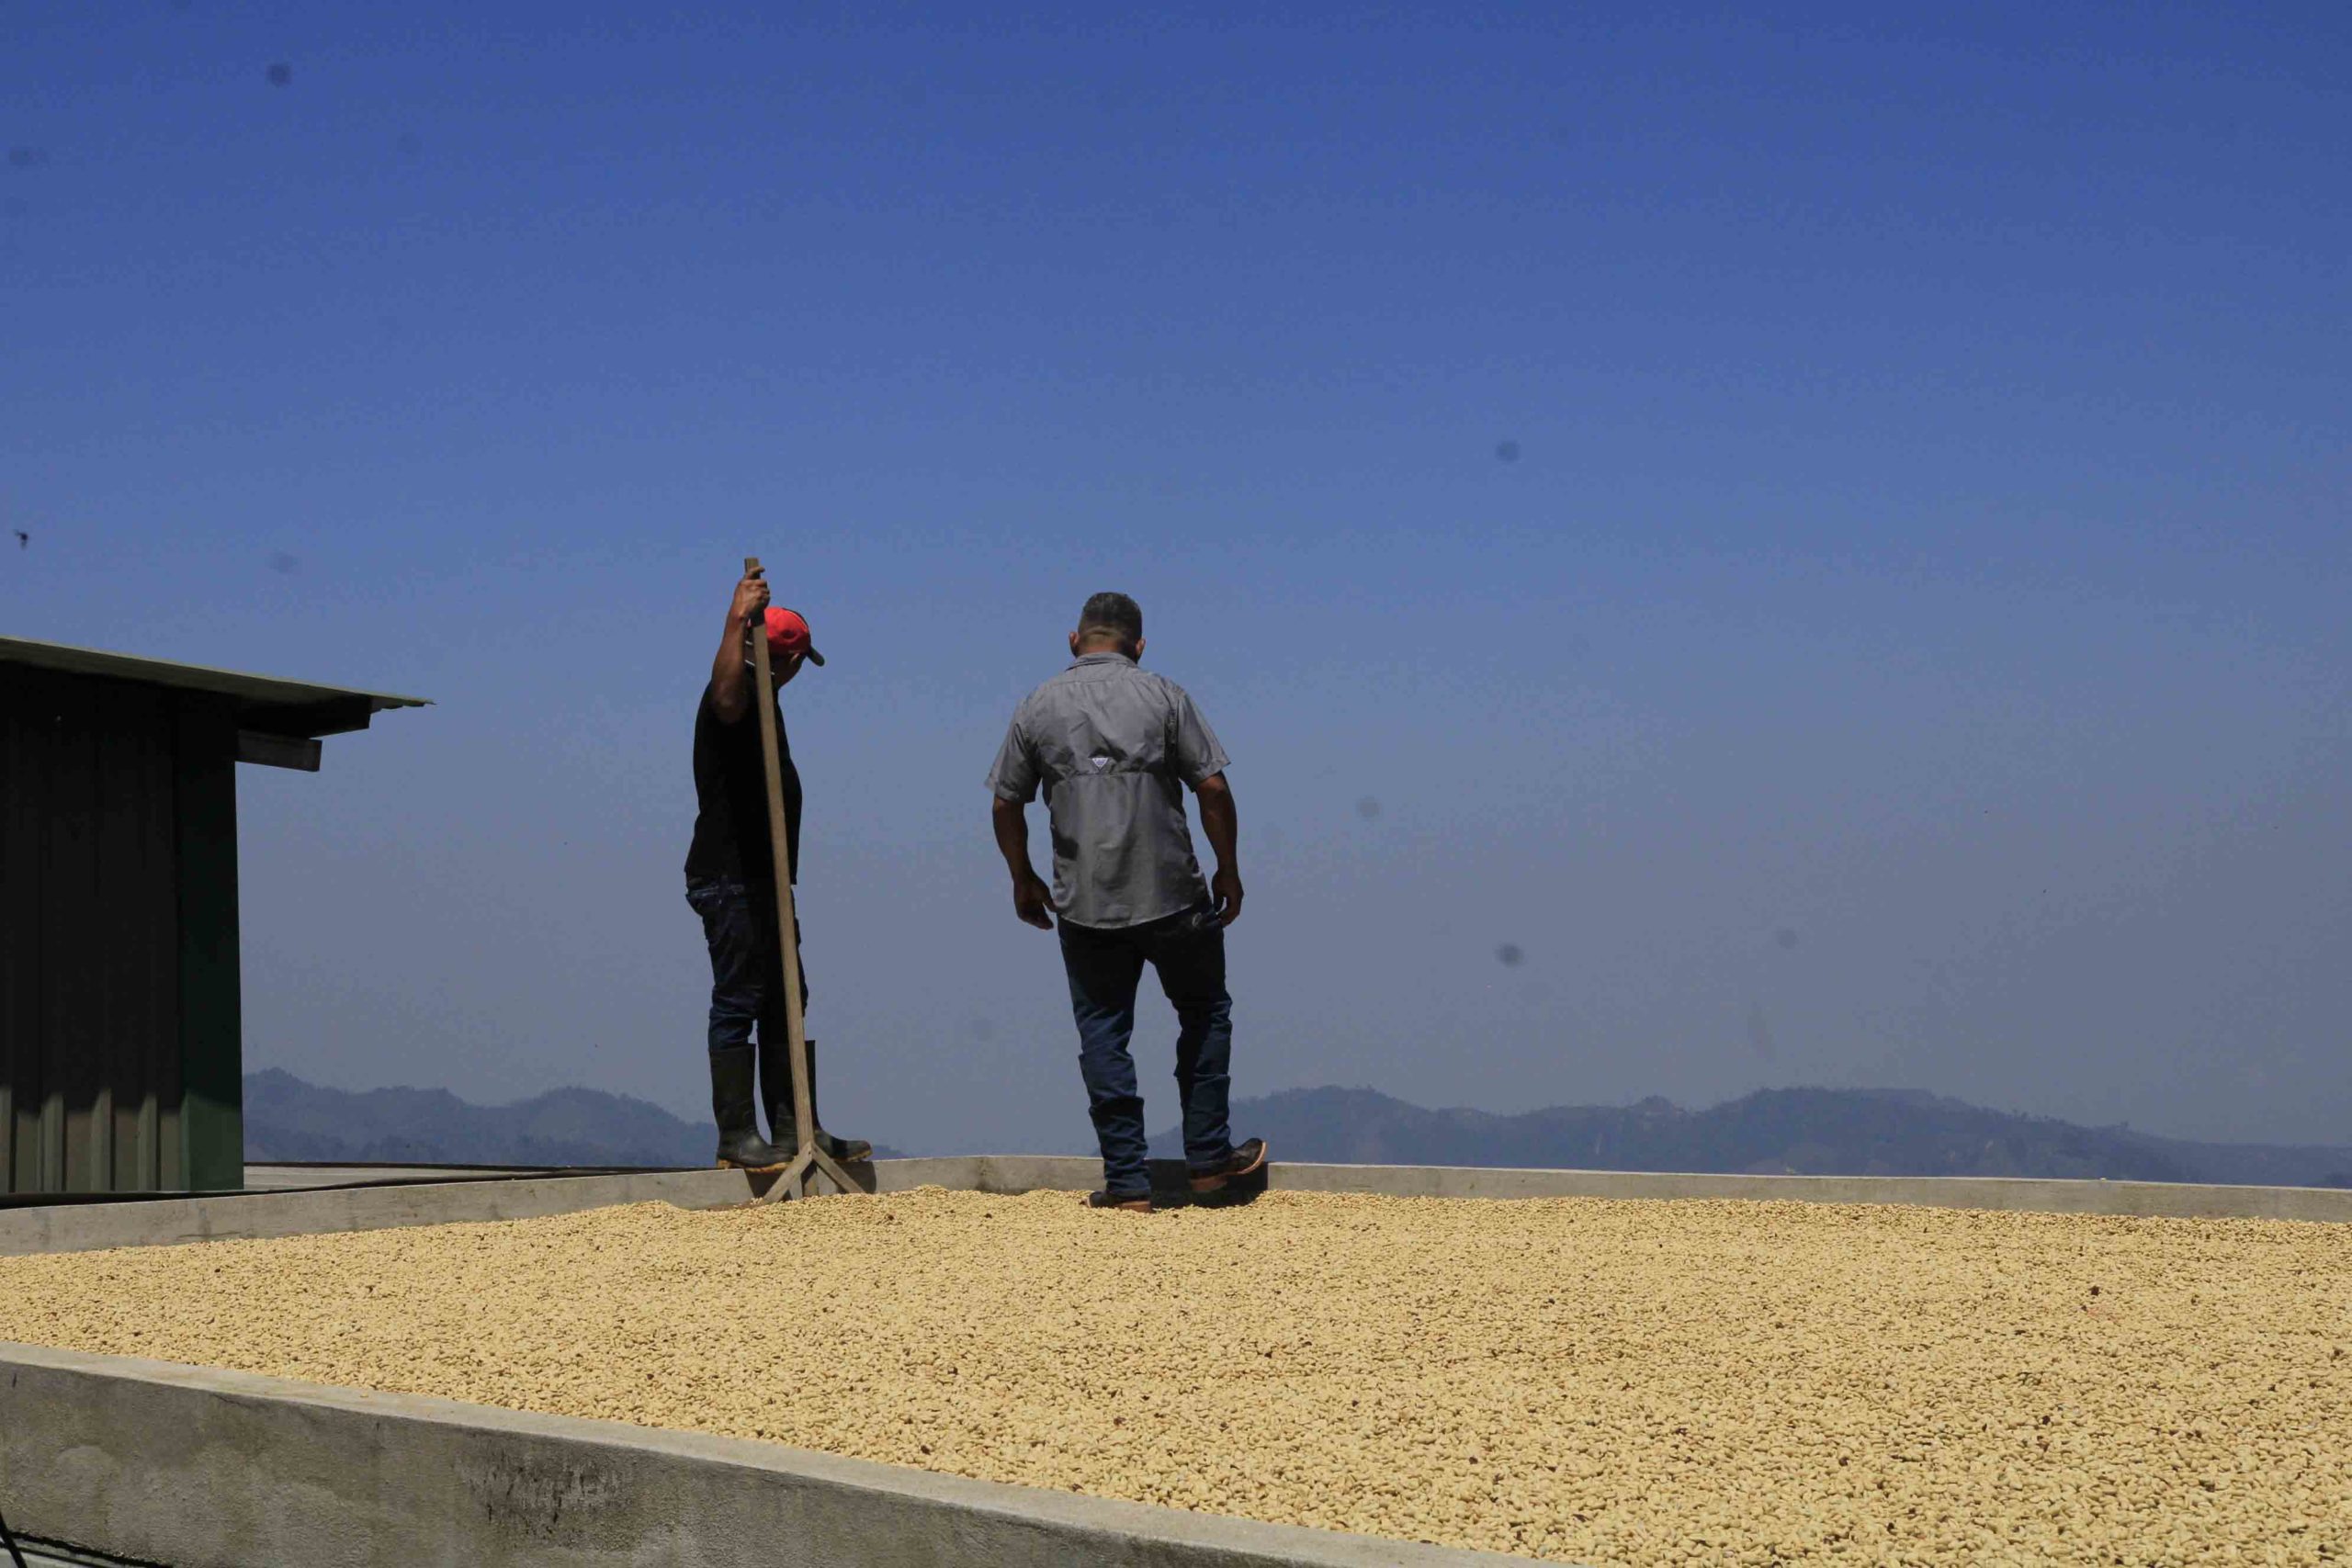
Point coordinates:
pixel 1171 1188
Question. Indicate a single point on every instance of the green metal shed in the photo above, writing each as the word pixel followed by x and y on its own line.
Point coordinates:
pixel 122 1046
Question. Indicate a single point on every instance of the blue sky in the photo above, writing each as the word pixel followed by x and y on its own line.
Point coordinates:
pixel 1821 529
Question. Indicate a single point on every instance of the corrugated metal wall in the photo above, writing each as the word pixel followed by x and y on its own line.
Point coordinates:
pixel 111 848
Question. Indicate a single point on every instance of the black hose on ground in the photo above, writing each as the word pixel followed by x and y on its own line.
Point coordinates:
pixel 15 1556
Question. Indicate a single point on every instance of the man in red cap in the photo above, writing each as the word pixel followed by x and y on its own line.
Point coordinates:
pixel 730 882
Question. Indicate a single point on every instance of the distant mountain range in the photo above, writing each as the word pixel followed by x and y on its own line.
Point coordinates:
pixel 1805 1131
pixel 1823 1132
pixel 286 1119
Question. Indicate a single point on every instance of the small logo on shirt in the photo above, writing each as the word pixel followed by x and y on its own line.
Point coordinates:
pixel 1100 762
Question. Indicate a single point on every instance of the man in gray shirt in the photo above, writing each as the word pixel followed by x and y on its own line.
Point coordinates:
pixel 1115 749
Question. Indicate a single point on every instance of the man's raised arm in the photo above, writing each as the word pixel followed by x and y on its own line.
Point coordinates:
pixel 730 675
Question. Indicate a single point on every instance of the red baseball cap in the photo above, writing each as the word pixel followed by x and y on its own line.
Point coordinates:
pixel 788 634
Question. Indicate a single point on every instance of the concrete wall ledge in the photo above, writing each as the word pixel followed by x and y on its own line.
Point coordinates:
pixel 198 1468
pixel 166 1221
pixel 163 1222
pixel 1026 1173
pixel 2175 1199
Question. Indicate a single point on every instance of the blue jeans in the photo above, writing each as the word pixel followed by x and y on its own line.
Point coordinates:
pixel 746 962
pixel 1104 967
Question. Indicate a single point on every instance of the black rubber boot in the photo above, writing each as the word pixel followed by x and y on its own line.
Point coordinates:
pixel 739 1144
pixel 776 1088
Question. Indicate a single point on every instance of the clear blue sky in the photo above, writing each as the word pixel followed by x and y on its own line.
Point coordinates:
pixel 1822 527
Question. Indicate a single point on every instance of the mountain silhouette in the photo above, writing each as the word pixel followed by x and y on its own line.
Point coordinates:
pixel 286 1119
pixel 1821 1132
pixel 1817 1132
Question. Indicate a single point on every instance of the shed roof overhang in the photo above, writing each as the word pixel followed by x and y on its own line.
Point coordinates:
pixel 279 721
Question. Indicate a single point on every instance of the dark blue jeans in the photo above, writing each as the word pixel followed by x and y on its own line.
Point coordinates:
pixel 1104 967
pixel 746 962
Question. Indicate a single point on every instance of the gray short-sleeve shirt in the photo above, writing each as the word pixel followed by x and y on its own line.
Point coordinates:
pixel 1113 746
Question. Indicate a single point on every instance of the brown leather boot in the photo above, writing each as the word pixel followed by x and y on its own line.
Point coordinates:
pixel 1246 1159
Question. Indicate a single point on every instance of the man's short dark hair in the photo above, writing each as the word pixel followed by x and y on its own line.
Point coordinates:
pixel 1113 613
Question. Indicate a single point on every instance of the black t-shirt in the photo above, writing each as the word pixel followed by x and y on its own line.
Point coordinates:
pixel 732 799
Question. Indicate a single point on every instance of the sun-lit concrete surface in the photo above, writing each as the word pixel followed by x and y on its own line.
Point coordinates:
pixel 197 1468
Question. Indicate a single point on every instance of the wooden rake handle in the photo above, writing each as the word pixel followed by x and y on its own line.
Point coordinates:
pixel 807 1156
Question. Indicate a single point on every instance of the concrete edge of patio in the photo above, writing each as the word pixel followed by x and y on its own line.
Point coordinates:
pixel 71 1227
pixel 201 1468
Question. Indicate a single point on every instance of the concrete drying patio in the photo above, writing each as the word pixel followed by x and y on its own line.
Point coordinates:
pixel 1579 1379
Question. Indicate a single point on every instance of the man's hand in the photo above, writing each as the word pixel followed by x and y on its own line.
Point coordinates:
pixel 1031 896
pixel 731 679
pixel 1226 888
pixel 1222 823
pixel 1031 900
pixel 751 598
